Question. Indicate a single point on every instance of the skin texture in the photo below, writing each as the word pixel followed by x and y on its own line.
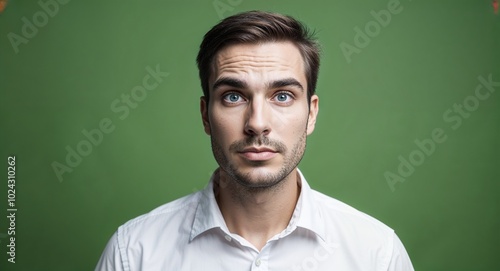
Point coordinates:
pixel 258 118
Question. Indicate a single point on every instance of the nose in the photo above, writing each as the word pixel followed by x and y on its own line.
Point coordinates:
pixel 258 117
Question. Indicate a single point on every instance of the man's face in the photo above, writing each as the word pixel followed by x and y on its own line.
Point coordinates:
pixel 258 115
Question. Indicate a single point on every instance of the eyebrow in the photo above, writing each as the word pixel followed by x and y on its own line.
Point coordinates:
pixel 237 83
pixel 285 83
pixel 228 81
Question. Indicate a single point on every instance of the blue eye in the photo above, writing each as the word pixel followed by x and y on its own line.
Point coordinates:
pixel 283 97
pixel 232 97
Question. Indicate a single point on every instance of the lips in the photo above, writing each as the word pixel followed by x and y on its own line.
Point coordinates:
pixel 258 154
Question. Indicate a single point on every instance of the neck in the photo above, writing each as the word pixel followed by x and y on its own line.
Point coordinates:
pixel 257 214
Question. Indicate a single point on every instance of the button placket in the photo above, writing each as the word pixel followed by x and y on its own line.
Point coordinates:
pixel 260 261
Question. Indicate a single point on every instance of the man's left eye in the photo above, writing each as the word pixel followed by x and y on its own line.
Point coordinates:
pixel 283 97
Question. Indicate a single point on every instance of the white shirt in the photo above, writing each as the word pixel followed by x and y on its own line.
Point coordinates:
pixel 190 234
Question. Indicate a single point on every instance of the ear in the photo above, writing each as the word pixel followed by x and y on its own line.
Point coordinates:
pixel 204 114
pixel 313 113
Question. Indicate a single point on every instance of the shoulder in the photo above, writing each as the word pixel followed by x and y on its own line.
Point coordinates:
pixel 150 234
pixel 351 222
pixel 354 232
pixel 176 215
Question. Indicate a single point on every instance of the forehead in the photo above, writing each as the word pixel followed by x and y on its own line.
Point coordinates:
pixel 265 60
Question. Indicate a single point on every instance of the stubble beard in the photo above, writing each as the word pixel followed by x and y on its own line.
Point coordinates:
pixel 269 181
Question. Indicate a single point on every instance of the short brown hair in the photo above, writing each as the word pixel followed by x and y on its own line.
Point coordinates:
pixel 257 27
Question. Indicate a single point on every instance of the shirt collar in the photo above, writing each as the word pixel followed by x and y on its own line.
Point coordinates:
pixel 208 214
pixel 306 215
pixel 307 212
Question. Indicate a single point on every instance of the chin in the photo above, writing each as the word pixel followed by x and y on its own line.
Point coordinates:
pixel 258 177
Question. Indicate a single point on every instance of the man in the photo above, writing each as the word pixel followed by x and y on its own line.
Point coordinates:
pixel 258 72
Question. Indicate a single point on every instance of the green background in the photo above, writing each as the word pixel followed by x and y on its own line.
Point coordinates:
pixel 394 91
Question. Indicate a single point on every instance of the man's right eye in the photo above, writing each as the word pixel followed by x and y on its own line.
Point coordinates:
pixel 232 98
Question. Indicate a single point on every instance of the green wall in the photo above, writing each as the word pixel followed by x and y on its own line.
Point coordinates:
pixel 65 75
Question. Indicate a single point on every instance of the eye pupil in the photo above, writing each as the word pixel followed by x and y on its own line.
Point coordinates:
pixel 233 97
pixel 282 97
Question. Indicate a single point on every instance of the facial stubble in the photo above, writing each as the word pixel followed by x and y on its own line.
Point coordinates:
pixel 271 181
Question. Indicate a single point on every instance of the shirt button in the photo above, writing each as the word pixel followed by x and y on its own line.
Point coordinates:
pixel 258 262
pixel 228 238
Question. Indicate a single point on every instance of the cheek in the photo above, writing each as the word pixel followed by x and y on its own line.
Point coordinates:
pixel 299 128
pixel 291 119
pixel 224 128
